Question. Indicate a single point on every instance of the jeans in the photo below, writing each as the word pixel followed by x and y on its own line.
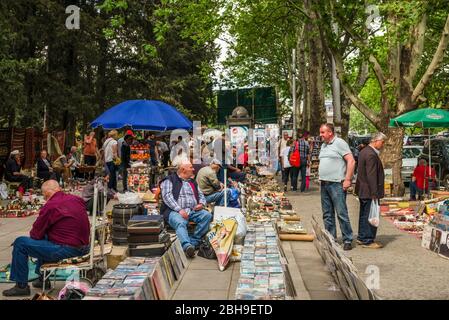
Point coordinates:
pixel 44 250
pixel 202 219
pixel 367 232
pixel 218 198
pixel 112 184
pixel 414 189
pixel 333 198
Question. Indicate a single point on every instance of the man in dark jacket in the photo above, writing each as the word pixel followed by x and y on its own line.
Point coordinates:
pixel 44 168
pixel 125 154
pixel 369 187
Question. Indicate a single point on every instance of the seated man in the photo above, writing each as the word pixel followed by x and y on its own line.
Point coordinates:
pixel 209 184
pixel 182 201
pixel 88 193
pixel 61 231
pixel 44 168
pixel 62 166
pixel 12 172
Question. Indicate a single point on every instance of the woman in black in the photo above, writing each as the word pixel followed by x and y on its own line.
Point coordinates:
pixel 12 173
pixel 44 168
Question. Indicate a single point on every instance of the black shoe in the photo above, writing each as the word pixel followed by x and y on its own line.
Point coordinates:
pixel 190 251
pixel 285 188
pixel 38 283
pixel 16 291
pixel 347 246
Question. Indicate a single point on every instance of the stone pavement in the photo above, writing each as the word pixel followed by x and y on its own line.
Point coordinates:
pixel 406 270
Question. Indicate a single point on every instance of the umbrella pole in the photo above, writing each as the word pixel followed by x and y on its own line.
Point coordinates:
pixel 430 167
pixel 225 188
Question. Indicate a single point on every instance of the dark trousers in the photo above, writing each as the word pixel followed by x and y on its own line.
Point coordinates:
pixel 112 184
pixel 367 232
pixel 44 250
pixel 285 175
pixel 125 178
pixel 294 171
pixel 165 158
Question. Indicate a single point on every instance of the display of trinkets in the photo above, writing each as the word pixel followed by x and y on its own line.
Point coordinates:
pixel 19 208
pixel 139 179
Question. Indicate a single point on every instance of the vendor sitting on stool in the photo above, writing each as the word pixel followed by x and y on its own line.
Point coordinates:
pixel 44 168
pixel 182 201
pixel 61 231
pixel 209 184
pixel 88 193
pixel 12 172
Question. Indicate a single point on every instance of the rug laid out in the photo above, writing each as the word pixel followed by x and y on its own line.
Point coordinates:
pixel 61 275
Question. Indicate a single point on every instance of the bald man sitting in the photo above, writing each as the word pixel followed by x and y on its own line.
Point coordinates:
pixel 183 201
pixel 61 231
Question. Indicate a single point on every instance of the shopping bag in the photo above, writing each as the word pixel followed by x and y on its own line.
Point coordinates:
pixel 221 213
pixel 221 237
pixel 3 191
pixel 294 157
pixel 374 213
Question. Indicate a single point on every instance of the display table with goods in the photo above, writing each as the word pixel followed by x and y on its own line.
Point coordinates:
pixel 140 278
pixel 315 147
pixel 435 235
pixel 410 216
pixel 29 205
pixel 140 152
pixel 139 177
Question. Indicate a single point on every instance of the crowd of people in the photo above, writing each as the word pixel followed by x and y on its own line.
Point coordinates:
pixel 62 228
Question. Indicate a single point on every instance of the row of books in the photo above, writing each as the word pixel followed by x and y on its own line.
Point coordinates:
pixel 139 278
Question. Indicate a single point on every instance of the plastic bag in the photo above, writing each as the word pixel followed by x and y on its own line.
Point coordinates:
pixel 221 238
pixel 73 291
pixel 129 198
pixel 374 213
pixel 3 191
pixel 233 200
pixel 227 212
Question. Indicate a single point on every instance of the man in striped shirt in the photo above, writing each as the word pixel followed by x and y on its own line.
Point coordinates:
pixel 182 202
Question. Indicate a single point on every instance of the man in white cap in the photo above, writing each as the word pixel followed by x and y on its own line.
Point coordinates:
pixel 12 173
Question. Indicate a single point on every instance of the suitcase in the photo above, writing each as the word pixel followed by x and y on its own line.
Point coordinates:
pixel 150 225
pixel 148 238
pixel 149 250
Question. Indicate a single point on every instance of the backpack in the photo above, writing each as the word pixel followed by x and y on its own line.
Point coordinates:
pixel 293 156
pixel 206 250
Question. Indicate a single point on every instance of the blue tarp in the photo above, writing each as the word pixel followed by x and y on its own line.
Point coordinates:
pixel 152 115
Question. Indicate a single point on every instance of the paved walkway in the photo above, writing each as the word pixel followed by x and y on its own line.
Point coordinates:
pixel 406 270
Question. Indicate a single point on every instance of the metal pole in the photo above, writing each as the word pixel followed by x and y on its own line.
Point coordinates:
pixel 294 91
pixel 430 168
pixel 93 226
pixel 225 187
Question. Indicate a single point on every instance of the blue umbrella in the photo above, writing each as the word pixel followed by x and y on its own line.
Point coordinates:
pixel 143 115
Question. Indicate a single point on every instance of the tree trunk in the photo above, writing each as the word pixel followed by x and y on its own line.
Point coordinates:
pixel 391 157
pixel 345 115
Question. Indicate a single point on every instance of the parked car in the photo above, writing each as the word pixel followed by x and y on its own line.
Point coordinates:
pixel 416 140
pixel 440 158
pixel 410 156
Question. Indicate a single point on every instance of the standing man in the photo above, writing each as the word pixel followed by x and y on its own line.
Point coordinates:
pixel 369 187
pixel 335 174
pixel 153 150
pixel 110 156
pixel 282 146
pixel 304 148
pixel 126 159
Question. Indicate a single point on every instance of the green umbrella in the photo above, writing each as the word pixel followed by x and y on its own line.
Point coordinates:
pixel 423 118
